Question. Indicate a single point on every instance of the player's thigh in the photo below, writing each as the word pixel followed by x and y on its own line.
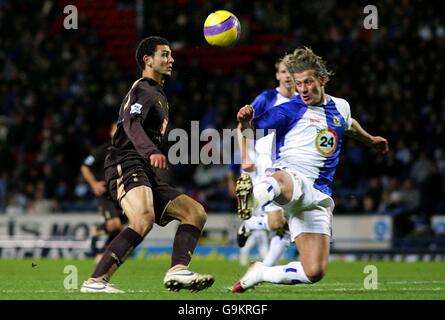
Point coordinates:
pixel 130 185
pixel 137 204
pixel 186 210
pixel 311 230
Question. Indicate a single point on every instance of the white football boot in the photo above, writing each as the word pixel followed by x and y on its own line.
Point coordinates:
pixel 183 278
pixel 92 285
pixel 250 279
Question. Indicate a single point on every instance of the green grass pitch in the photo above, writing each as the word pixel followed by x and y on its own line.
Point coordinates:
pixel 142 279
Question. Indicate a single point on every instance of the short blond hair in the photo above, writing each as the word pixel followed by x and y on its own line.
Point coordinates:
pixel 303 59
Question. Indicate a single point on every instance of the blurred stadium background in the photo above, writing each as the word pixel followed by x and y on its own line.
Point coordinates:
pixel 60 90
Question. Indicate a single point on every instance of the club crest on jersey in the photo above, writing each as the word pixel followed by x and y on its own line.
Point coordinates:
pixel 336 121
pixel 136 108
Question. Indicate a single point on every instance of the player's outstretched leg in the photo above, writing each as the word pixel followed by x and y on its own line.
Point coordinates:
pixel 292 273
pixel 251 197
pixel 252 277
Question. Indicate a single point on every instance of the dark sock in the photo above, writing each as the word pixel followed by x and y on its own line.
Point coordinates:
pixel 110 238
pixel 93 246
pixel 185 242
pixel 116 253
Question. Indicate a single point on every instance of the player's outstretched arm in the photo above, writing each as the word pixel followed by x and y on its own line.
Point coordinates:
pixel 377 142
pixel 244 117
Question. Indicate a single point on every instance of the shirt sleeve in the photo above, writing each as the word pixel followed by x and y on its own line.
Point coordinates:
pixel 348 117
pixel 89 161
pixel 94 157
pixel 274 119
pixel 259 104
pixel 133 121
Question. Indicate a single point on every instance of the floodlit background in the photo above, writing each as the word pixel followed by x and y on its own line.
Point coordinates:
pixel 60 90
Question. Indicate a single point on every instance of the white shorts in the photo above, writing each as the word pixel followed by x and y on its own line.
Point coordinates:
pixel 310 210
pixel 317 220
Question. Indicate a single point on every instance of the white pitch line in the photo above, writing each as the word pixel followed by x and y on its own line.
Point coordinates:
pixel 258 290
pixel 381 283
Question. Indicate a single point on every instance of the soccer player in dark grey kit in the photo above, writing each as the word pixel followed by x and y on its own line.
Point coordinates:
pixel 145 199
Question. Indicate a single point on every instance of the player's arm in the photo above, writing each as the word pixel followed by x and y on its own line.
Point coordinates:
pixel 132 123
pixel 98 187
pixel 245 135
pixel 357 132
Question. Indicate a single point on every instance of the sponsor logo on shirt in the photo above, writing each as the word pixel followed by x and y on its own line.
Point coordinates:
pixel 326 142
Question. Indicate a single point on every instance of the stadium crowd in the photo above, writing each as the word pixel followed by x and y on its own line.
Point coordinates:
pixel 59 91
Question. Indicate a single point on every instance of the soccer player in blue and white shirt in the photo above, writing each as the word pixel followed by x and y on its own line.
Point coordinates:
pixel 309 131
pixel 271 217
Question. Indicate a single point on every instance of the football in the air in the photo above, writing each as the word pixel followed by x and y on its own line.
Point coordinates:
pixel 222 29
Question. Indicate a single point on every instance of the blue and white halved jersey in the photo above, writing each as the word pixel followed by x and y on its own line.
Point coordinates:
pixel 309 138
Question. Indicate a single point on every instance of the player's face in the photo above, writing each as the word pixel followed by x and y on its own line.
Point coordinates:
pixel 284 77
pixel 310 88
pixel 163 60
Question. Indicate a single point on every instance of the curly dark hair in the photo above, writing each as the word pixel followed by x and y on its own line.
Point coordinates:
pixel 148 47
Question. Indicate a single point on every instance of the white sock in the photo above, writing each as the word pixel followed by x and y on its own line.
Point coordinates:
pixel 245 251
pixel 276 249
pixel 257 222
pixel 266 191
pixel 292 273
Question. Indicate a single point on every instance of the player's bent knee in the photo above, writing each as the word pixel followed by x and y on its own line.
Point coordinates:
pixel 199 213
pixel 286 185
pixel 277 223
pixel 142 224
pixel 315 273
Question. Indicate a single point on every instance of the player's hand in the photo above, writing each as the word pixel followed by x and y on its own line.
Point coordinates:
pixel 158 160
pixel 99 188
pixel 380 144
pixel 245 114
